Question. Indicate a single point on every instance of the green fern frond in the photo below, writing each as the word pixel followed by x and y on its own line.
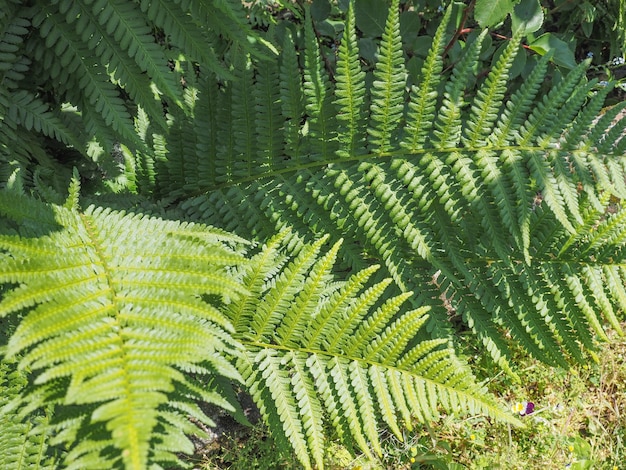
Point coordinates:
pixel 307 352
pixel 114 318
pixel 318 97
pixel 421 112
pixel 63 55
pixel 31 113
pixel 269 121
pixel 243 115
pixel 14 27
pixel 127 26
pixel 24 442
pixel 350 91
pixel 486 106
pixel 291 96
pixel 460 196
pixel 106 46
pixel 189 35
pixel 388 87
pixel 448 125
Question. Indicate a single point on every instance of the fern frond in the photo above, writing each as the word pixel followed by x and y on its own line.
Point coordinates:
pixel 421 112
pixel 487 104
pixel 24 442
pixel 64 55
pixel 269 121
pixel 330 353
pixel 448 125
pixel 318 98
pixel 111 323
pixel 467 211
pixel 243 110
pixel 189 35
pixel 388 87
pixel 350 90
pixel 520 103
pixel 291 96
pixel 30 112
pixel 106 46
pixel 544 117
pixel 267 315
pixel 14 27
pixel 127 26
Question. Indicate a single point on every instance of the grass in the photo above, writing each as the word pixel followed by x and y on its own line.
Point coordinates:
pixel 579 423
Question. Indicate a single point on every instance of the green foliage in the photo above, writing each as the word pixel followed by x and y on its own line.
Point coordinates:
pixel 77 73
pixel 490 206
pixel 111 319
pixel 311 346
pixel 472 207
pixel 24 441
pixel 120 332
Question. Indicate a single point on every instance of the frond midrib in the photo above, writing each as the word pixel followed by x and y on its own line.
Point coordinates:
pixel 316 164
pixel 453 389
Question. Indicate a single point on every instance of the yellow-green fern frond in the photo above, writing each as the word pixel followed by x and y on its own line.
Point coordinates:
pixel 116 321
pixel 341 356
pixel 24 442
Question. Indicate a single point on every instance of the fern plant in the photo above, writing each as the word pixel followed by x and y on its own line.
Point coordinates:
pixel 122 339
pixel 114 327
pixel 24 442
pixel 96 62
pixel 501 208
pixel 467 200
pixel 317 354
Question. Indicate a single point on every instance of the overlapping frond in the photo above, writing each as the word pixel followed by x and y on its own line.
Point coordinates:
pixel 103 61
pixel 115 318
pixel 319 353
pixel 458 196
pixel 503 210
pixel 24 442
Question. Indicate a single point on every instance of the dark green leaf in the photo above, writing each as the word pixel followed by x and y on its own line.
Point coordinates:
pixel 320 10
pixel 528 15
pixel 563 55
pixel 492 12
pixel 410 24
pixel 371 16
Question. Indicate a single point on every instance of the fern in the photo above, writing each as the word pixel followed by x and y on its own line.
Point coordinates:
pixel 453 195
pixel 114 318
pixel 102 60
pixel 502 209
pixel 24 442
pixel 309 348
pixel 350 91
pixel 117 335
pixel 388 88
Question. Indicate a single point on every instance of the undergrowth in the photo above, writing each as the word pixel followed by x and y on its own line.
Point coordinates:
pixel 579 422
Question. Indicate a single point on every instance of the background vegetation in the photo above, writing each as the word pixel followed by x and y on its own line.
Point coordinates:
pixel 386 171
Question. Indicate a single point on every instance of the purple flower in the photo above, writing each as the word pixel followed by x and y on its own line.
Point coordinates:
pixel 523 407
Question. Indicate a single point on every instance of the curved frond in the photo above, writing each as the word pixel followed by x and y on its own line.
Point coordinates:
pixel 114 320
pixel 327 356
pixel 458 196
